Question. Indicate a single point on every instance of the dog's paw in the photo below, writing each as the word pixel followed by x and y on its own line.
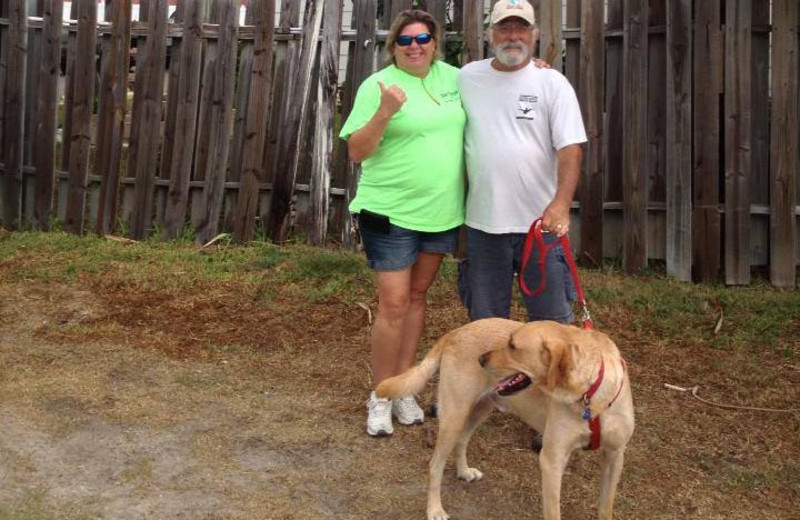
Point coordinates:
pixel 439 514
pixel 470 475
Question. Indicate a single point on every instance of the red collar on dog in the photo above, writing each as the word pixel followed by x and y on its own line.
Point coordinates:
pixel 586 400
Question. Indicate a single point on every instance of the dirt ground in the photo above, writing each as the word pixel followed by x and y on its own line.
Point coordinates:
pixel 143 404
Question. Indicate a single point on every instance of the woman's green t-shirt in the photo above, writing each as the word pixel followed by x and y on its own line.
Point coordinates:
pixel 416 175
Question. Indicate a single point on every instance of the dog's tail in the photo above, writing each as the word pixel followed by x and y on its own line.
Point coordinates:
pixel 413 380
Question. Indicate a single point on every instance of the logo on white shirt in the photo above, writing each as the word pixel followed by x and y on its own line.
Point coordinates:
pixel 526 105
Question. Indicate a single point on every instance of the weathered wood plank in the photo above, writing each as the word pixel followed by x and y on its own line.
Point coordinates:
pixel 613 108
pixel 572 51
pixel 473 31
pixel 760 89
pixel 203 149
pixel 241 115
pixel 44 154
pixel 340 216
pixel 319 198
pixel 14 113
pixel 738 140
pixel 784 162
pixel 171 111
pixel 79 140
pixel 634 254
pixel 31 87
pixel 438 9
pixel 364 15
pixel 221 121
pixel 655 155
pixel 3 69
pixel 180 168
pixel 143 163
pixel 458 16
pixel 69 88
pixel 112 107
pixel 679 139
pixel 289 152
pixel 397 7
pixel 258 115
pixel 171 116
pixel 591 95
pixel 287 59
pixel 707 86
pixel 550 33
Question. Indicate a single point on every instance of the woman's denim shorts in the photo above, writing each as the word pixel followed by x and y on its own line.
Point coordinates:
pixel 398 249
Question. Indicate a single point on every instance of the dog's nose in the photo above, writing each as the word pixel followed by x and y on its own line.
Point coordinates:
pixel 483 359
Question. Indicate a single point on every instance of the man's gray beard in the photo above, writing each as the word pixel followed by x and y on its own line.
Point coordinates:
pixel 509 59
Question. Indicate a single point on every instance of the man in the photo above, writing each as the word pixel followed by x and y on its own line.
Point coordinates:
pixel 523 154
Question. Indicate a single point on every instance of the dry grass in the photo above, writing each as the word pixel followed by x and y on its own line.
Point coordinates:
pixel 152 381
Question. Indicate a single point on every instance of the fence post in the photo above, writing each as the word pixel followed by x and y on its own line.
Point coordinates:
pixel 220 121
pixel 679 139
pixel 591 85
pixel 473 31
pixel 111 114
pixel 14 112
pixel 784 167
pixel 143 163
pixel 550 35
pixel 288 151
pixel 79 139
pixel 258 117
pixel 364 22
pixel 322 163
pixel 241 102
pixel 171 133
pixel 69 87
pixel 180 166
pixel 634 88
pixel 708 84
pixel 44 153
pixel 738 141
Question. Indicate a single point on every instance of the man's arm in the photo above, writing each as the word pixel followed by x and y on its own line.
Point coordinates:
pixel 556 215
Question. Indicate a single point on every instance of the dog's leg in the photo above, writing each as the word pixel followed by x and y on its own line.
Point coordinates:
pixel 453 415
pixel 552 462
pixel 613 460
pixel 479 414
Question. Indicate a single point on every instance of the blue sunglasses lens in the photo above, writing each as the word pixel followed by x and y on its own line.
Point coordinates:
pixel 421 39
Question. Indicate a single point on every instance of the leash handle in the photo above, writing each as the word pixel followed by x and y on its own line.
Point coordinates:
pixel 535 236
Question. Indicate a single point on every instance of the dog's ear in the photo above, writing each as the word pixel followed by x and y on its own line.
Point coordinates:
pixel 559 359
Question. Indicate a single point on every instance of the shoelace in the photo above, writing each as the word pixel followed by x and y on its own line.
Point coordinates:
pixel 407 404
pixel 375 404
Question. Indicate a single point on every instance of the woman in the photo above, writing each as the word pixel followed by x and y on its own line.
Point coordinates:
pixel 406 129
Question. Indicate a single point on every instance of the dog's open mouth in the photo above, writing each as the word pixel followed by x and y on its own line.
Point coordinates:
pixel 513 384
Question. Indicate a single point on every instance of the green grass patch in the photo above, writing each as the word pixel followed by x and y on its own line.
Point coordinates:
pixel 728 318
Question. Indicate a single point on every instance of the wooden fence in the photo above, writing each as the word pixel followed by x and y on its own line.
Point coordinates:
pixel 691 109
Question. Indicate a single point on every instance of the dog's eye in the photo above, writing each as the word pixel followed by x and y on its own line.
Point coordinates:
pixel 511 345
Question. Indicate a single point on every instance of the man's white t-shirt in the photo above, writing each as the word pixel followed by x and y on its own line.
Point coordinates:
pixel 516 122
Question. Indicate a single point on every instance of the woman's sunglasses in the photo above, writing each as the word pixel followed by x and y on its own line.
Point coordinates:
pixel 421 39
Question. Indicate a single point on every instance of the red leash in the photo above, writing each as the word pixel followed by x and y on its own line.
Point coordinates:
pixel 535 237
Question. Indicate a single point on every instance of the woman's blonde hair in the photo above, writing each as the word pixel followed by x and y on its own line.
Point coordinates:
pixel 405 18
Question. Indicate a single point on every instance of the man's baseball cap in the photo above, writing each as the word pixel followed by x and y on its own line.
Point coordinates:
pixel 508 8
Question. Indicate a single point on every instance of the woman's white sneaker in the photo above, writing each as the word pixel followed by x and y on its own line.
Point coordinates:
pixel 407 411
pixel 379 416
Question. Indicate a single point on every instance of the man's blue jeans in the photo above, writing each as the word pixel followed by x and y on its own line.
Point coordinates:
pixel 485 278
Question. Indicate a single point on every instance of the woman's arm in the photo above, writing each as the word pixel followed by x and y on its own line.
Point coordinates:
pixel 364 141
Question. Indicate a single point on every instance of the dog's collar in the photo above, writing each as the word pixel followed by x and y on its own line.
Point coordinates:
pixel 586 400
